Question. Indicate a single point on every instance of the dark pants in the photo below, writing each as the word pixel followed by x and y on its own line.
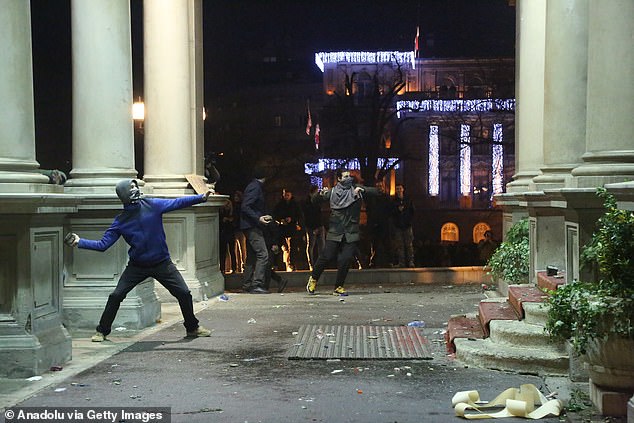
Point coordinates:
pixel 344 251
pixel 257 259
pixel 167 275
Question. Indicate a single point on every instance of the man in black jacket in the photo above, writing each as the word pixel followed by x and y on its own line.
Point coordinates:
pixel 402 232
pixel 253 218
pixel 342 240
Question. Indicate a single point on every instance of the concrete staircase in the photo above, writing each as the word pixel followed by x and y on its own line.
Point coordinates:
pixel 508 333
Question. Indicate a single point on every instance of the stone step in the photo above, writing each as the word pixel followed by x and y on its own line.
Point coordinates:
pixel 462 326
pixel 521 294
pixel 487 354
pixel 498 309
pixel 535 313
pixel 520 333
pixel 550 283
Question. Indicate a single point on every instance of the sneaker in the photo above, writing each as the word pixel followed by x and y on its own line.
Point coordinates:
pixel 311 285
pixel 98 337
pixel 340 291
pixel 200 331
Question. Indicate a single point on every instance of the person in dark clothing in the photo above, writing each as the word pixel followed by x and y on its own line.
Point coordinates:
pixel 273 241
pixel 240 247
pixel 342 240
pixel 141 225
pixel 402 232
pixel 378 212
pixel 287 213
pixel 253 218
pixel 315 231
pixel 227 238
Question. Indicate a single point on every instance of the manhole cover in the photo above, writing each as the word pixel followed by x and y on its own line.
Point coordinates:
pixel 359 343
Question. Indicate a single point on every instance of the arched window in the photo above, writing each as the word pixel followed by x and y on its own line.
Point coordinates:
pixel 478 231
pixel 449 233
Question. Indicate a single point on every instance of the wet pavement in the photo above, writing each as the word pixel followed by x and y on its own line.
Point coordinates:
pixel 241 373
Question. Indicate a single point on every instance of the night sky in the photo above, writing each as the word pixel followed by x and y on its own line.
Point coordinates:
pixel 238 32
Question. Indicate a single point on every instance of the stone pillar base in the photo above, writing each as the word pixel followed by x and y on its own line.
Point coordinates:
pixel 25 355
pixel 139 310
pixel 609 403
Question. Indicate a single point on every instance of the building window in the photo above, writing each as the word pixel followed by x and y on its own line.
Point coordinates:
pixel 434 171
pixel 497 160
pixel 478 231
pixel 465 160
pixel 449 233
pixel 277 121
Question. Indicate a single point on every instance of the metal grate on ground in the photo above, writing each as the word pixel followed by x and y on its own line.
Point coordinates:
pixel 323 342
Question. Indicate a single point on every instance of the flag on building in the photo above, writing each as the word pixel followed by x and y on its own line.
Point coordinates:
pixel 416 45
pixel 309 121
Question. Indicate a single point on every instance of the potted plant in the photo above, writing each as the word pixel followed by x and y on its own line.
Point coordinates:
pixel 598 316
pixel 509 263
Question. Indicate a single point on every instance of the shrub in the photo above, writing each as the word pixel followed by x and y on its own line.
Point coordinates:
pixel 510 262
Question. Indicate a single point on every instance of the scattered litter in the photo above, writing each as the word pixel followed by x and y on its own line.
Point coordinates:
pixel 34 378
pixel 120 329
pixel 319 334
pixel 294 333
pixel 341 299
pixel 390 375
pixel 117 381
pixel 233 364
pixel 359 391
pixel 373 337
pixel 56 368
pixel 251 321
pixel 417 324
pixel 205 297
pixel 333 360
pixel 223 297
pixel 408 374
pixel 448 286
pixel 115 365
pixel 334 372
pixel 60 389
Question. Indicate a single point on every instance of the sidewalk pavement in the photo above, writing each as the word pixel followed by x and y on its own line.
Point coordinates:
pixel 241 373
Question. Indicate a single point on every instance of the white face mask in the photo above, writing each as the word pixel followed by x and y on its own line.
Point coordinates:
pixel 135 193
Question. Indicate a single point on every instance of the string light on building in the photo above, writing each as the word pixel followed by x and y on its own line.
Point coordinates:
pixel 465 159
pixel 352 164
pixel 316 180
pixel 364 57
pixel 434 155
pixel 477 105
pixel 497 164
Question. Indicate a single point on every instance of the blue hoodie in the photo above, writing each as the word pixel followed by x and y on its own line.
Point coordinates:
pixel 141 225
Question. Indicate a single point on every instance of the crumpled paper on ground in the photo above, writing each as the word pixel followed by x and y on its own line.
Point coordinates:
pixel 520 402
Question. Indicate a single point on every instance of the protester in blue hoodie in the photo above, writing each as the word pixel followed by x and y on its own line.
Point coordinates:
pixel 141 226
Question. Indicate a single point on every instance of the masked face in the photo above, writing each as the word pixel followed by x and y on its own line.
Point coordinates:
pixel 135 192
pixel 346 179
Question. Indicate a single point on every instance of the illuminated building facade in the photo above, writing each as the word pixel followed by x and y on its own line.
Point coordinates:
pixel 452 128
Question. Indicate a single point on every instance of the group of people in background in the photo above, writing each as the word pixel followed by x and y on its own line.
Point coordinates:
pixel 258 242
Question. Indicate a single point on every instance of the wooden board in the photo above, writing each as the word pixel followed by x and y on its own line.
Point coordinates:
pixel 198 183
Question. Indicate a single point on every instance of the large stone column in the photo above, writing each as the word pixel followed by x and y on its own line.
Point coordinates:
pixel 103 138
pixel 169 144
pixel 609 156
pixel 32 337
pixel 18 167
pixel 529 89
pixel 173 137
pixel 103 154
pixel 565 91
